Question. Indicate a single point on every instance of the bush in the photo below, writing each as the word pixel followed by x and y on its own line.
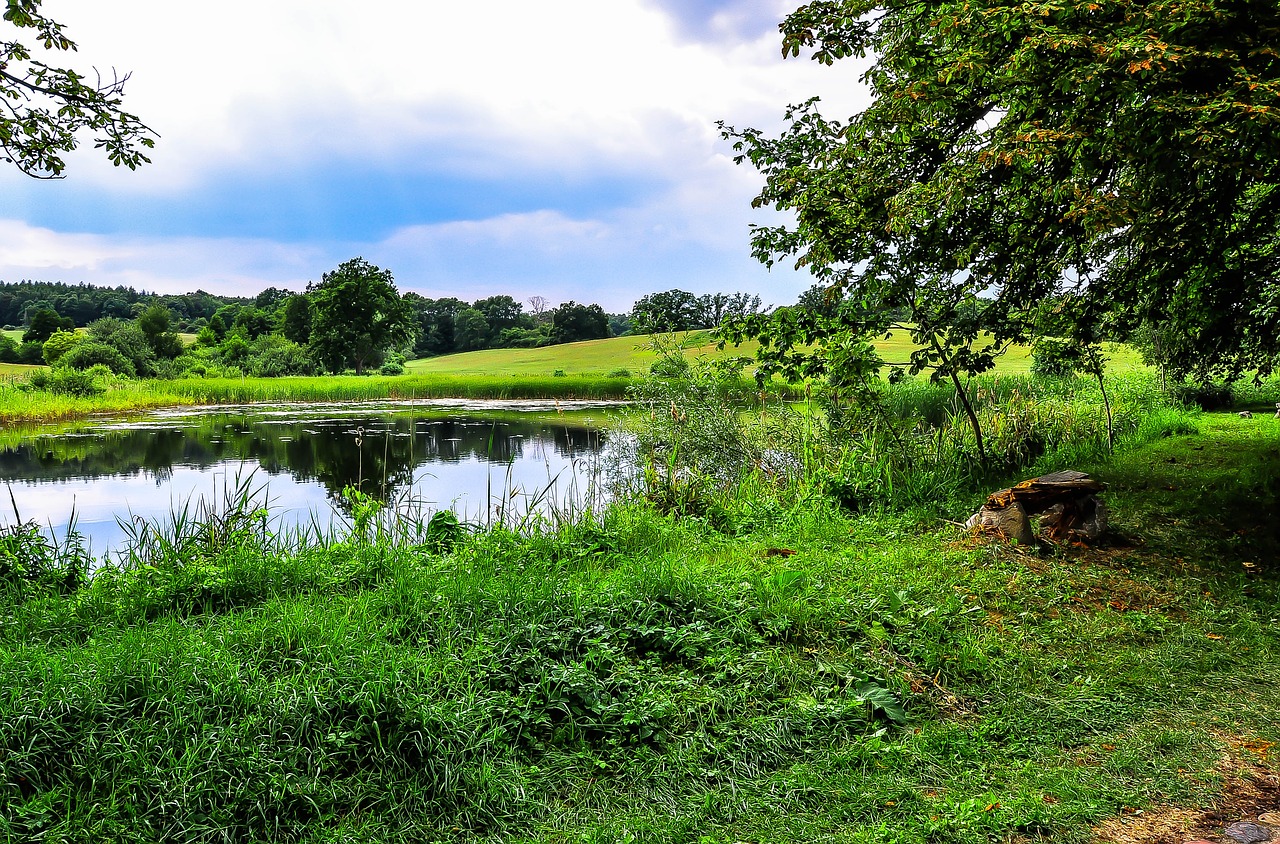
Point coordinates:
pixel 275 357
pixel 90 353
pixel 127 339
pixel 31 352
pixel 393 365
pixel 620 373
pixel 235 351
pixel 64 381
pixel 8 349
pixel 58 344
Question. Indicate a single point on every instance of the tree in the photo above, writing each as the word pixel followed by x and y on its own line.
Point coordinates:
pixel 358 316
pixel 434 321
pixel 271 298
pixel 45 321
pixel 470 330
pixel 156 322
pixel 296 322
pixel 574 322
pixel 538 306
pixel 253 322
pixel 502 313
pixel 126 338
pixel 46 108
pixel 1125 156
pixel 672 310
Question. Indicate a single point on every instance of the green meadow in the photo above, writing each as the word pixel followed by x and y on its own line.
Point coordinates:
pixel 636 355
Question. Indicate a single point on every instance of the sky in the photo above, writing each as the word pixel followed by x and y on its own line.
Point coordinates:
pixel 565 148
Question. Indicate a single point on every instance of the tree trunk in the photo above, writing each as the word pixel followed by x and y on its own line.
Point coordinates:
pixel 964 400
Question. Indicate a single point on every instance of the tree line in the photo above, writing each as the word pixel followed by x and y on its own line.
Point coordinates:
pixel 352 319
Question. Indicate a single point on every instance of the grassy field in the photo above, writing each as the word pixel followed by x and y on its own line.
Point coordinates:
pixel 787 672
pixel 599 357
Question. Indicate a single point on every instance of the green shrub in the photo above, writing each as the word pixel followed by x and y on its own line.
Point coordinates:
pixel 276 357
pixel 64 381
pixel 31 352
pixel 90 353
pixel 58 344
pixel 393 365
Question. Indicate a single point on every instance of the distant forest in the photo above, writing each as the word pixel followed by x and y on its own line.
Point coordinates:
pixel 84 303
pixel 441 326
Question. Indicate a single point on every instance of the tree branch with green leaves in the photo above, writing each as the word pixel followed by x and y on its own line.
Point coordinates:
pixel 44 109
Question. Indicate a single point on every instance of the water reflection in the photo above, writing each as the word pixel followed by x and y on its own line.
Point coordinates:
pixel 472 463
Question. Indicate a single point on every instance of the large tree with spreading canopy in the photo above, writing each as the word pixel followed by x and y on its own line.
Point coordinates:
pixel 358 316
pixel 1060 166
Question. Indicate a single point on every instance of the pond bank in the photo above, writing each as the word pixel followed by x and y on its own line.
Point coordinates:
pixel 18 405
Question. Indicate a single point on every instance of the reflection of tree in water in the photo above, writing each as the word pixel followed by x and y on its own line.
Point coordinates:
pixel 322 449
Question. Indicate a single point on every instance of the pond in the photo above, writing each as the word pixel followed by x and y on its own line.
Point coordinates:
pixel 484 460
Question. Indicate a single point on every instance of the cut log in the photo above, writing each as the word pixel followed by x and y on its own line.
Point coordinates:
pixel 1039 494
pixel 1068 498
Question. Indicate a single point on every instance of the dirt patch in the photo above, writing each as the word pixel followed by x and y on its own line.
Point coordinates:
pixel 1250 789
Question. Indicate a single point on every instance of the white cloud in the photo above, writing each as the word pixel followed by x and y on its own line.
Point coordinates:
pixel 560 83
pixel 578 89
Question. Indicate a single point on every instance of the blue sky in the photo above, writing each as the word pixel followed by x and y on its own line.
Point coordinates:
pixel 565 148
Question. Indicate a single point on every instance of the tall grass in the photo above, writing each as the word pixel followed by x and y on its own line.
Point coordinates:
pixel 910 445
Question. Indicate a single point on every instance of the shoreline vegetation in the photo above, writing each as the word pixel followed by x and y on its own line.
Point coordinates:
pixel 601 369
pixel 19 406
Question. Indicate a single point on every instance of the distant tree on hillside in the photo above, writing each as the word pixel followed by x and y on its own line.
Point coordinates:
pixel 470 330
pixel 295 325
pixel 671 310
pixel 573 322
pixel 434 322
pixel 156 323
pixel 43 323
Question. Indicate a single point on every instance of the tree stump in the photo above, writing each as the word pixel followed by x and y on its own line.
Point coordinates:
pixel 1068 500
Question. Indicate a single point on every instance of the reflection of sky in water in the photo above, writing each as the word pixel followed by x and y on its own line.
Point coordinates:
pixel 545 468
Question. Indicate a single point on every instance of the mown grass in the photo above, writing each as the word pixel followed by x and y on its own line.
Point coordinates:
pixel 664 678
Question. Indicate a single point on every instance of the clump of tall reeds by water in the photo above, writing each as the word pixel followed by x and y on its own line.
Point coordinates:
pixel 394 676
pixel 891 446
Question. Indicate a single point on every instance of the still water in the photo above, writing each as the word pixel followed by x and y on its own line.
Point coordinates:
pixel 484 460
